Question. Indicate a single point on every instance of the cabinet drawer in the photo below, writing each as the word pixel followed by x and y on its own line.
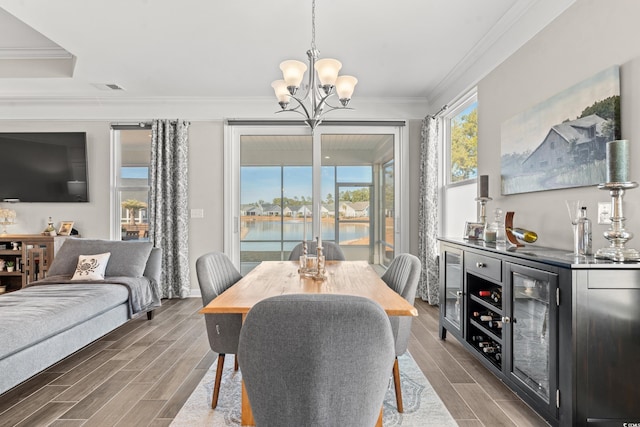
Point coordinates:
pixel 484 265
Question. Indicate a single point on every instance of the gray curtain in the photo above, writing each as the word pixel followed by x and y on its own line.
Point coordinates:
pixel 168 204
pixel 428 215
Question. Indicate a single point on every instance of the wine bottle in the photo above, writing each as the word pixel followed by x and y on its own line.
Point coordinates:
pixel 489 349
pixel 524 235
pixel 496 296
pixel 484 293
pixel 489 317
pixel 477 338
pixel 496 324
pixel 498 356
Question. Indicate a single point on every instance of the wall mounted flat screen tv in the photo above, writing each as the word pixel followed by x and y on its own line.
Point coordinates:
pixel 43 167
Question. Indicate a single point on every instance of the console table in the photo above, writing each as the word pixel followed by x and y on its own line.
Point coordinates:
pixel 32 259
pixel 562 332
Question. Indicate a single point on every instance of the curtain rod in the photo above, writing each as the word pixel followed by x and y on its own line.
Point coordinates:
pixel 139 125
pixel 441 110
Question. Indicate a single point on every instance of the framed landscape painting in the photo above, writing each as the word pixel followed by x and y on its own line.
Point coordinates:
pixel 560 143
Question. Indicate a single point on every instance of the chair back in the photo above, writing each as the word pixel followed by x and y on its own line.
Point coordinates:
pixel 403 276
pixel 216 273
pixel 331 251
pixel 302 366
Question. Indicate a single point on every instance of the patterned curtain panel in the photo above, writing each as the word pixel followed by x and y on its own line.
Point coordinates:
pixel 428 215
pixel 168 204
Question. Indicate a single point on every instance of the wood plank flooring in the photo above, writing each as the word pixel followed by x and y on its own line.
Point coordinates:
pixel 142 373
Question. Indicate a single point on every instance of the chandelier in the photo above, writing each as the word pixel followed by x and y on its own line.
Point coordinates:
pixel 323 83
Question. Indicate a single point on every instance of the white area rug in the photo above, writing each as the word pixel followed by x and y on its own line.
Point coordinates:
pixel 422 406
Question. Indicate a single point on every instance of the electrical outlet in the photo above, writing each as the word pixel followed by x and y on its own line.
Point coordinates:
pixel 604 212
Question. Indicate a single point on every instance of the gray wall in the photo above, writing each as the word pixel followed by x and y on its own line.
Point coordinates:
pixel 206 184
pixel 587 38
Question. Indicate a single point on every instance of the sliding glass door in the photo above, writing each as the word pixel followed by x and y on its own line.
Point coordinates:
pixel 286 185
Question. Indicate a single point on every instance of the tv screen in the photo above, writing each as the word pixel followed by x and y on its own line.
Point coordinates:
pixel 43 167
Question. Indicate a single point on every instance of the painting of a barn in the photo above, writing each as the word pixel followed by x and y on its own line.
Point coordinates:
pixel 544 149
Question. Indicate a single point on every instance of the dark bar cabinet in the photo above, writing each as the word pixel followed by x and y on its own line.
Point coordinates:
pixel 562 332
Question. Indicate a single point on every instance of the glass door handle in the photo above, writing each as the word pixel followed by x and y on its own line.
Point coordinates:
pixel 459 293
pixel 507 319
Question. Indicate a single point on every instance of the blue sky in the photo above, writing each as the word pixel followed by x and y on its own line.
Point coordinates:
pixel 263 183
pixel 132 172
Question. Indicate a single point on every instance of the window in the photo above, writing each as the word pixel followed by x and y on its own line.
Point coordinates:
pixel 459 164
pixel 130 200
pixel 463 142
pixel 342 183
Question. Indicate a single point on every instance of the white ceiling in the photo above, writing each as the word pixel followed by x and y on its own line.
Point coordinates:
pixel 410 49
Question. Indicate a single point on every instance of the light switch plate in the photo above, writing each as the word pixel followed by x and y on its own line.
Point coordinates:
pixel 604 212
pixel 197 213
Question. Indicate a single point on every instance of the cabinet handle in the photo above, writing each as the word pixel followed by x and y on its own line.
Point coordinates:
pixel 506 319
pixel 480 265
pixel 459 293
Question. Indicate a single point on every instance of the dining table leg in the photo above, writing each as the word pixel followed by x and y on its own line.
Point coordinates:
pixel 379 423
pixel 246 417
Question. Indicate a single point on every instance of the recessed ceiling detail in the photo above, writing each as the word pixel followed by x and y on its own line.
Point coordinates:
pixel 25 53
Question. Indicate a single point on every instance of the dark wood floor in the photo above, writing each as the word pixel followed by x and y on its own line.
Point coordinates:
pixel 142 373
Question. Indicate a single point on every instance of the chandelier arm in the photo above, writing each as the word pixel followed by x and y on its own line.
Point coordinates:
pixel 301 105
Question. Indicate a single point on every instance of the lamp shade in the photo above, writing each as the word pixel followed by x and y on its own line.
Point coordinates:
pixel 328 70
pixel 280 88
pixel 345 86
pixel 293 72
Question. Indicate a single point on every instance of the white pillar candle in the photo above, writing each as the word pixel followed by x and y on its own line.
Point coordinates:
pixel 618 161
pixel 484 186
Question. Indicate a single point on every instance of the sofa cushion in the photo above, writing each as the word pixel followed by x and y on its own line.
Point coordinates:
pixel 36 313
pixel 127 258
pixel 91 267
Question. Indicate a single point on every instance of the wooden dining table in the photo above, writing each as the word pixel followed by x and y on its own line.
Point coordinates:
pixel 272 278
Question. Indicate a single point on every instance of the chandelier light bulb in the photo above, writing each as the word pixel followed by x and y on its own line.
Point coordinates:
pixel 327 72
pixel 345 86
pixel 293 73
pixel 282 93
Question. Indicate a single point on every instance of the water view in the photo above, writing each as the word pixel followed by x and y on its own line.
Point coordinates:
pixel 260 229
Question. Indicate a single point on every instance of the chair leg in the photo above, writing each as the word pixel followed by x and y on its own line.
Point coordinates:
pixel 396 382
pixel 216 387
pixel 235 364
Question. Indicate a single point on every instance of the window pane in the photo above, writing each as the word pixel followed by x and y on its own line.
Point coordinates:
pixel 134 217
pixel 133 183
pixel 464 144
pixel 355 174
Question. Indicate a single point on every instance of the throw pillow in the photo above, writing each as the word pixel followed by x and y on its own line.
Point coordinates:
pixel 91 267
pixel 127 258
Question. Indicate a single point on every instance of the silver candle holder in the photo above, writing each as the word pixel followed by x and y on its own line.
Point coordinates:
pixel 482 203
pixel 312 266
pixel 617 235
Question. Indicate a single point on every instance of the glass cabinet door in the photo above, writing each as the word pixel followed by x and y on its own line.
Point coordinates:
pixel 452 289
pixel 533 330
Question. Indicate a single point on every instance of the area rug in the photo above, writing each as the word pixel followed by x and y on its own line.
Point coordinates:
pixel 422 406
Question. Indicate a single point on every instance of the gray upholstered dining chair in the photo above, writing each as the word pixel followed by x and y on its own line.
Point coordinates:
pixel 302 367
pixel 402 276
pixel 330 250
pixel 216 273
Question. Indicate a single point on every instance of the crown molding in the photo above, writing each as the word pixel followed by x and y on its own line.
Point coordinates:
pixel 488 45
pixel 25 107
pixel 34 53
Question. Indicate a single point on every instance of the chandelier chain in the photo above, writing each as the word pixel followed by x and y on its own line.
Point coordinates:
pixel 313 25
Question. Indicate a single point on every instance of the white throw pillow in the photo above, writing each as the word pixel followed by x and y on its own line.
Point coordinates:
pixel 91 267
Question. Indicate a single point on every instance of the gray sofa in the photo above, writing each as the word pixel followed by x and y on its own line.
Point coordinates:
pixel 54 317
